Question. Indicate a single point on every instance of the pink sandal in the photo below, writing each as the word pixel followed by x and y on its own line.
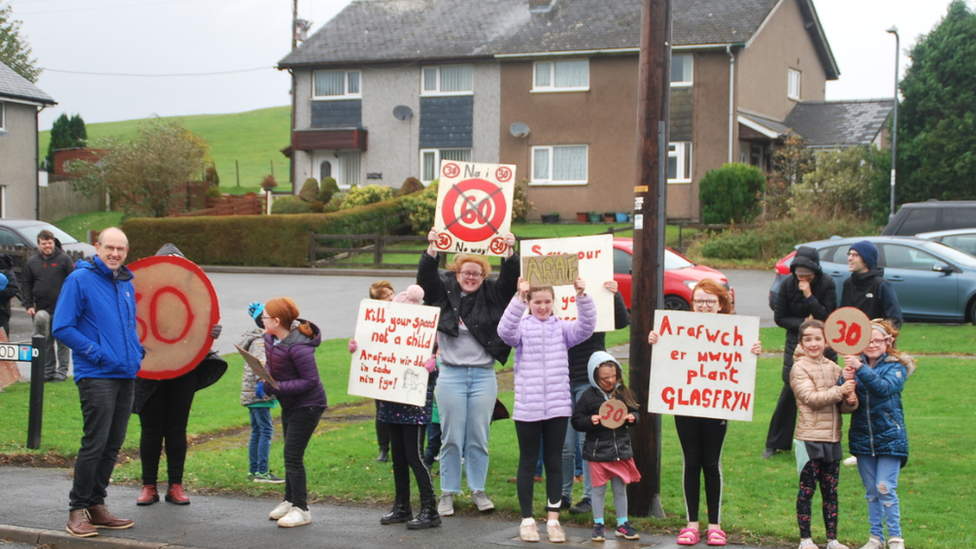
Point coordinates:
pixel 688 536
pixel 716 537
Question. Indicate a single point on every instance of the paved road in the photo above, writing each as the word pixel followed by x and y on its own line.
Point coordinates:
pixel 752 294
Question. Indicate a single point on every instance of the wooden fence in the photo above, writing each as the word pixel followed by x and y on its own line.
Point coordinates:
pixel 58 200
pixel 249 206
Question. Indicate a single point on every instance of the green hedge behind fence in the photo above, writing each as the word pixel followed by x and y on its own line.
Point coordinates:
pixel 256 240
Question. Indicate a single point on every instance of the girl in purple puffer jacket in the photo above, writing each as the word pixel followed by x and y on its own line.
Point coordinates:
pixel 543 401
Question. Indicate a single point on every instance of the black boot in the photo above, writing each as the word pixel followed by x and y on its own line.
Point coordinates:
pixel 400 513
pixel 427 518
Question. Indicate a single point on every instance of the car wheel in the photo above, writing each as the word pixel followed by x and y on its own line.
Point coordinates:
pixel 675 303
pixel 972 312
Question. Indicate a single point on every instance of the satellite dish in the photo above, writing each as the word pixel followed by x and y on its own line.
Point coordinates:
pixel 519 129
pixel 402 112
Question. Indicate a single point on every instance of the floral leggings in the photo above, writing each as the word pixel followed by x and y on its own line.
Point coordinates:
pixel 826 473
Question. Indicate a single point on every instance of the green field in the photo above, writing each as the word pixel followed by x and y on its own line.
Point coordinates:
pixel 252 139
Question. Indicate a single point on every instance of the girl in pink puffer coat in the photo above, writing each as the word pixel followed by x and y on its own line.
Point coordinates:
pixel 543 404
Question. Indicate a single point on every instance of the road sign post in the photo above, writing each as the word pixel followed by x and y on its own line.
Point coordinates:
pixel 36 410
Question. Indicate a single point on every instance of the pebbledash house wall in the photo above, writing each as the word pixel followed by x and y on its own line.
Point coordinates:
pixel 393 145
pixel 18 160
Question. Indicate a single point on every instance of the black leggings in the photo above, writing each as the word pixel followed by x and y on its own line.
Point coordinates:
pixel 701 447
pixel 827 474
pixel 164 416
pixel 553 433
pixel 407 449
pixel 298 424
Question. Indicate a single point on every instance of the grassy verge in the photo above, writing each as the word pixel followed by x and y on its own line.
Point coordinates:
pixel 79 225
pixel 759 495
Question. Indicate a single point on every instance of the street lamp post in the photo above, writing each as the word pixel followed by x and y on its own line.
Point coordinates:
pixel 894 124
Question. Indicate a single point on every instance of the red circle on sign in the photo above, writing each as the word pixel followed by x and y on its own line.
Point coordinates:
pixel 451 170
pixel 503 173
pixel 474 221
pixel 444 241
pixel 498 245
pixel 848 330
pixel 190 288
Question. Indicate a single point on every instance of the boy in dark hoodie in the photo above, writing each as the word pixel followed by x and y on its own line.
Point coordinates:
pixel 806 293
pixel 867 288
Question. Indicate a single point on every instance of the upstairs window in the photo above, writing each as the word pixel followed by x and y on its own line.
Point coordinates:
pixel 336 85
pixel 564 75
pixel 682 69
pixel 448 80
pixel 559 165
pixel 793 85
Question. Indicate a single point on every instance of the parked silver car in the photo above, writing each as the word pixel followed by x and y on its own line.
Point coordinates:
pixel 934 282
pixel 960 239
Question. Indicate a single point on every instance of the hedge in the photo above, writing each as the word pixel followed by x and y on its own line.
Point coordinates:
pixel 255 240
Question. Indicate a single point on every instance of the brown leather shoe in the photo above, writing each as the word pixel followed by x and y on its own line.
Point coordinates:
pixel 148 496
pixel 79 525
pixel 175 494
pixel 101 517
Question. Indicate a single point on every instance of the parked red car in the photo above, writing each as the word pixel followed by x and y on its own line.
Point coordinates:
pixel 681 275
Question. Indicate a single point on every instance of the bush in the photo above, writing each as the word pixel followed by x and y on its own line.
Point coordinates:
pixel 410 186
pixel 421 207
pixel 521 205
pixel 310 190
pixel 361 196
pixel 318 207
pixel 328 189
pixel 842 183
pixel 265 240
pixel 290 205
pixel 775 239
pixel 213 192
pixel 268 182
pixel 211 177
pixel 335 204
pixel 730 194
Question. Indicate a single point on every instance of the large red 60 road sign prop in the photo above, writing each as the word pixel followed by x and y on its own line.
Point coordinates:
pixel 474 205
pixel 176 308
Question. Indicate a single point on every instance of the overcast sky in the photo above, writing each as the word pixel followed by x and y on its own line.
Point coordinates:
pixel 106 38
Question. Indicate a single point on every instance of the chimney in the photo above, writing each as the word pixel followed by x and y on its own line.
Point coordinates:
pixel 540 6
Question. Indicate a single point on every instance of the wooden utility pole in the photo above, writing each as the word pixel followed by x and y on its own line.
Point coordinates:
pixel 653 113
pixel 294 26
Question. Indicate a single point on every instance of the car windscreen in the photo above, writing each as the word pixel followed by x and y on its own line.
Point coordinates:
pixel 951 254
pixel 674 261
pixel 32 231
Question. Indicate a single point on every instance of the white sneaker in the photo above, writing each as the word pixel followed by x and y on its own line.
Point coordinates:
pixel 873 543
pixel 896 543
pixel 481 501
pixel 834 544
pixel 295 517
pixel 555 532
pixel 529 532
pixel 445 505
pixel 851 462
pixel 280 511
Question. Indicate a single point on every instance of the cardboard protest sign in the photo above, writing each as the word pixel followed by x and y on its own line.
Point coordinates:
pixel 612 413
pixel 702 365
pixel 595 266
pixel 256 366
pixel 848 330
pixel 176 308
pixel 474 207
pixel 394 341
pixel 9 372
pixel 550 270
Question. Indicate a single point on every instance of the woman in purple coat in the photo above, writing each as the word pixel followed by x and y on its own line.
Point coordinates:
pixel 543 400
pixel 289 345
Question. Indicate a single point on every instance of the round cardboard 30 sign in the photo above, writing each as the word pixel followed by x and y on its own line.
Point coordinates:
pixel 848 330
pixel 612 413
pixel 176 308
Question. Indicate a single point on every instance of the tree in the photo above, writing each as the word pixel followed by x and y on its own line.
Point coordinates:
pixel 15 51
pixel 66 133
pixel 730 194
pixel 841 185
pixel 791 161
pixel 937 120
pixel 143 174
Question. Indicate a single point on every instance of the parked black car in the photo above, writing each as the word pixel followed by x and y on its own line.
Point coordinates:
pixel 933 215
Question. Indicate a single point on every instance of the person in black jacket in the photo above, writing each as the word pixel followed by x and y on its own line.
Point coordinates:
pixel 579 379
pixel 467 335
pixel 10 289
pixel 805 294
pixel 867 288
pixel 44 275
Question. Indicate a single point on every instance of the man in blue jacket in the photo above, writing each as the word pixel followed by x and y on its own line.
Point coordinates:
pixel 96 318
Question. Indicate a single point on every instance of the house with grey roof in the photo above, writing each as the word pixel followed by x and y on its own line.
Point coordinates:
pixel 20 101
pixel 388 88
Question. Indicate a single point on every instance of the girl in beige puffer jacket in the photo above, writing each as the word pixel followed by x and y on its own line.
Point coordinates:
pixel 820 401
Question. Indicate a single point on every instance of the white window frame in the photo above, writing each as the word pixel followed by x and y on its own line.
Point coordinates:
pixel 3 115
pixel 437 81
pixel 793 84
pixel 437 155
pixel 550 67
pixel 346 81
pixel 687 61
pixel 680 150
pixel 550 165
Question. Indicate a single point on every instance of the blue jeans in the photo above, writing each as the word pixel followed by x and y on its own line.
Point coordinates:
pixel 880 477
pixel 106 404
pixel 574 439
pixel 466 399
pixel 261 433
